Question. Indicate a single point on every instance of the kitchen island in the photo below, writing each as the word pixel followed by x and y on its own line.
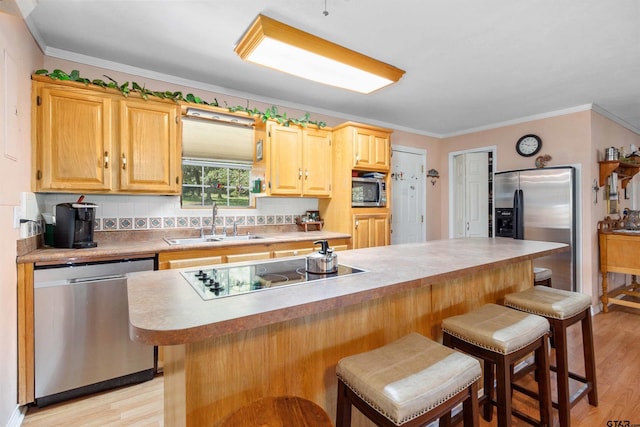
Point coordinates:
pixel 223 353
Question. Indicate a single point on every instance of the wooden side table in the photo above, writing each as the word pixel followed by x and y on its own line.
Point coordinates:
pixel 619 254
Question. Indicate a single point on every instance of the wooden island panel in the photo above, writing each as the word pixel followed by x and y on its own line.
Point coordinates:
pixel 206 380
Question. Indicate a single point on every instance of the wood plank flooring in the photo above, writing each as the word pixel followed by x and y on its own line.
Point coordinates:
pixel 617 344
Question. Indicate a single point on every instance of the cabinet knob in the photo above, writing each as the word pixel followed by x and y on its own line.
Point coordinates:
pixel 299 173
pixel 124 161
pixel 106 160
pixel 306 174
pixel 357 224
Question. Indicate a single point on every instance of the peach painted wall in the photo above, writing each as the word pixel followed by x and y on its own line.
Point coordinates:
pixel 17 43
pixel 566 139
pixel 572 139
pixel 607 133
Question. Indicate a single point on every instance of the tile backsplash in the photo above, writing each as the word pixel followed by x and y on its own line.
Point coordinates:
pixel 133 212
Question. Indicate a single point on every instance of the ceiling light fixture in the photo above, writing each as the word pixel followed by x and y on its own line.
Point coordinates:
pixel 279 46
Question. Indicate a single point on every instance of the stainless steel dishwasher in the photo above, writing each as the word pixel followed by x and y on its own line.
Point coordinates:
pixel 81 329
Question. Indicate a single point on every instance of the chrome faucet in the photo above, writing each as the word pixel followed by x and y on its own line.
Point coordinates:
pixel 214 213
pixel 235 228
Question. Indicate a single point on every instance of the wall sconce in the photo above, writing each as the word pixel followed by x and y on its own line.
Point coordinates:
pixel 433 175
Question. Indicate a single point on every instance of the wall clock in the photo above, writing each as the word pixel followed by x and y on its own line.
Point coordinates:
pixel 528 145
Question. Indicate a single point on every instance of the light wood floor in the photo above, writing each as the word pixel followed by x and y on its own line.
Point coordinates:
pixel 617 344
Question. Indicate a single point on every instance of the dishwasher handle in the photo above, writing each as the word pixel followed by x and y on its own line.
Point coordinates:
pixel 78 281
pixel 98 278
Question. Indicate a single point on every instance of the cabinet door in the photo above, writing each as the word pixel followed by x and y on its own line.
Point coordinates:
pixel 370 230
pixel 149 147
pixel 360 232
pixel 380 155
pixel 380 230
pixel 317 163
pixel 75 141
pixel 247 257
pixel 371 150
pixel 285 160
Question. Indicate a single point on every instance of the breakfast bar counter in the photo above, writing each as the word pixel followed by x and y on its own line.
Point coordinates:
pixel 223 353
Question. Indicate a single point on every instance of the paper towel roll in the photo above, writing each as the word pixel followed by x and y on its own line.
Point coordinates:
pixel 29 206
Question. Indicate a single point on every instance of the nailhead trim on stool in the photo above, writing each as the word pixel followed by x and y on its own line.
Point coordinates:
pixel 563 309
pixel 542 276
pixel 409 382
pixel 501 336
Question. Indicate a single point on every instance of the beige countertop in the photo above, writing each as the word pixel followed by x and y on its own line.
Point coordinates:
pixel 164 309
pixel 132 244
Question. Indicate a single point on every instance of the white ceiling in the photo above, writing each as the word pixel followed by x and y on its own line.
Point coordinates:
pixel 469 64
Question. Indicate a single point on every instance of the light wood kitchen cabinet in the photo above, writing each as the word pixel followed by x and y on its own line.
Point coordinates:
pixel 150 158
pixel 299 161
pixel 74 133
pixel 237 253
pixel 370 230
pixel 96 141
pixel 371 149
pixel 349 139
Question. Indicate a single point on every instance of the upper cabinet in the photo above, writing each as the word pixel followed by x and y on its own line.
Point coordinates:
pixel 149 153
pixel 298 161
pixel 74 137
pixel 94 141
pixel 371 149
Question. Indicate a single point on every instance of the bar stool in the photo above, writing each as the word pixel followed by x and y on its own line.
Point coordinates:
pixel 542 276
pixel 501 336
pixel 277 411
pixel 563 309
pixel 409 382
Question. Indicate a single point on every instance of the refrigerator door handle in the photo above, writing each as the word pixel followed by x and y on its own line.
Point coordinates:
pixel 518 215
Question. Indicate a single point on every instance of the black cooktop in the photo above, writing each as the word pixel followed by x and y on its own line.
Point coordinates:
pixel 212 282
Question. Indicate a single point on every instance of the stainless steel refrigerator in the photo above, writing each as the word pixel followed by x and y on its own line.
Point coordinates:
pixel 539 204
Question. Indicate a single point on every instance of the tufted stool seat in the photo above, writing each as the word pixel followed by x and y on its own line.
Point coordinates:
pixel 501 336
pixel 408 382
pixel 542 276
pixel 563 309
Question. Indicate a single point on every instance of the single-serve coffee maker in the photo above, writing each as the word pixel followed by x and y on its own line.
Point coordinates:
pixel 74 225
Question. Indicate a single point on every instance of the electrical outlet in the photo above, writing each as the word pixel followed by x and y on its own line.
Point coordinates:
pixel 17 216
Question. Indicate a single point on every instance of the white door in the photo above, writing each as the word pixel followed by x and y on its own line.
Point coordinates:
pixel 408 178
pixel 471 195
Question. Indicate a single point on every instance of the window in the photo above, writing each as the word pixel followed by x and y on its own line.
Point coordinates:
pixel 206 181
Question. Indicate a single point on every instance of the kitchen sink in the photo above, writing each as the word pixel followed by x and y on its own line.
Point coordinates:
pixel 209 239
pixel 241 237
pixel 191 240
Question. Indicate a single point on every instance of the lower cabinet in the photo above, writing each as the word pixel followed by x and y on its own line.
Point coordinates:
pixel 240 253
pixel 370 230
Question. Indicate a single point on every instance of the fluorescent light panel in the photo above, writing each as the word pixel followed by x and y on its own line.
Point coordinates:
pixel 276 45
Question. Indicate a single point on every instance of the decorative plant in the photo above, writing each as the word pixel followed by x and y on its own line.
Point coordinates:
pixel 125 90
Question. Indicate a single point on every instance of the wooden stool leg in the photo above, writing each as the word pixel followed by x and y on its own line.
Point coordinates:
pixel 503 393
pixel 589 357
pixel 544 382
pixel 343 411
pixel 487 409
pixel 470 407
pixel 562 372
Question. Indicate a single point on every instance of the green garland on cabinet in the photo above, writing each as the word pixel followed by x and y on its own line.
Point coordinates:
pixel 125 90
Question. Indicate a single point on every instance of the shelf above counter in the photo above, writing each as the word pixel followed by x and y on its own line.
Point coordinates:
pixel 625 170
